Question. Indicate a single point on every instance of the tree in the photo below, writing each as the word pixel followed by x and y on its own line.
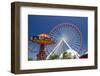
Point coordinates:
pixel 66 55
pixel 30 58
pixel 54 56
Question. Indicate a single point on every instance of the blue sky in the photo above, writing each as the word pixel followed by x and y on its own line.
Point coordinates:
pixel 38 24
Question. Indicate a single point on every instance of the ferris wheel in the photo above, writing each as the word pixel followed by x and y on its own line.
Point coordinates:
pixel 68 32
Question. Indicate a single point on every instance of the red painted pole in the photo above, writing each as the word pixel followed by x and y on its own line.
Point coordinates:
pixel 41 55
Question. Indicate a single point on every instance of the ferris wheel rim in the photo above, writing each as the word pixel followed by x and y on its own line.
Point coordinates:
pixel 72 25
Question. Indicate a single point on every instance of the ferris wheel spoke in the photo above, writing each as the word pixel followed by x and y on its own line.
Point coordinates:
pixel 71 34
pixel 76 47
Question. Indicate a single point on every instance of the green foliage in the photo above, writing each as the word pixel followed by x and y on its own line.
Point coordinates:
pixel 30 58
pixel 54 56
pixel 66 55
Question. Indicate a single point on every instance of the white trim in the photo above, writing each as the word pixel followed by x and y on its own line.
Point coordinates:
pixel 25 64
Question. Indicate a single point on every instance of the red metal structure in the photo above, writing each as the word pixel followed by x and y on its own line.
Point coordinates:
pixel 43 40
